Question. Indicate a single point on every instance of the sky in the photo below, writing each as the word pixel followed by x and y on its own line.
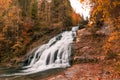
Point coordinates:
pixel 82 8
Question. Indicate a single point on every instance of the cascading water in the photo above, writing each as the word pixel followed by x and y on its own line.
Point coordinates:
pixel 55 54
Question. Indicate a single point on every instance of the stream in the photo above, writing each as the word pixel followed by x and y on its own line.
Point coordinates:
pixel 55 55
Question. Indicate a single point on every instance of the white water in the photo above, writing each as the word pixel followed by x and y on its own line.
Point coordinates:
pixel 55 54
pixel 83 8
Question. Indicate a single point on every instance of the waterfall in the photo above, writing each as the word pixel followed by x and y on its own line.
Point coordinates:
pixel 54 54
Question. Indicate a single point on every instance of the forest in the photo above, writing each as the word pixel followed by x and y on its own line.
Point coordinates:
pixel 25 24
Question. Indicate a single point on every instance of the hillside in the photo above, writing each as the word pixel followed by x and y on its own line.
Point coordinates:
pixel 25 25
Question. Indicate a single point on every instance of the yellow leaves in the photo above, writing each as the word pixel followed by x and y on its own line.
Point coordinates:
pixel 4 5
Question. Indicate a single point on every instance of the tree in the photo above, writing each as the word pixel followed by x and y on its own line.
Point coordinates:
pixel 62 14
pixel 25 6
pixel 107 11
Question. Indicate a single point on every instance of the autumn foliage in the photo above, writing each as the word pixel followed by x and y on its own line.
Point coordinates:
pixel 4 5
pixel 107 12
pixel 76 18
pixel 112 45
pixel 15 30
pixel 22 22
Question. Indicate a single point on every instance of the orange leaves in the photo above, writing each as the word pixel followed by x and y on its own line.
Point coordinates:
pixel 76 18
pixel 13 13
pixel 105 10
pixel 108 11
pixel 4 4
pixel 114 36
pixel 11 22
pixel 81 0
pixel 113 43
